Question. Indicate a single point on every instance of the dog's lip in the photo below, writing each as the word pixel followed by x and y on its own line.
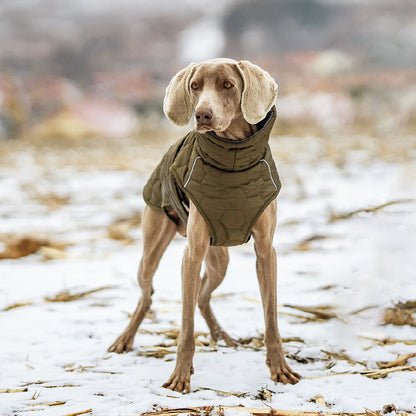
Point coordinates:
pixel 204 126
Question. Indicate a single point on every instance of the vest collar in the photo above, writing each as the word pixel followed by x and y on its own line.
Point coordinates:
pixel 236 155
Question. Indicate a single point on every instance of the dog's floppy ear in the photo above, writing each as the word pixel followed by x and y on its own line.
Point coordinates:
pixel 177 103
pixel 259 92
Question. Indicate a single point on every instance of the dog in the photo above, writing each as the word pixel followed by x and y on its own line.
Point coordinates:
pixel 232 105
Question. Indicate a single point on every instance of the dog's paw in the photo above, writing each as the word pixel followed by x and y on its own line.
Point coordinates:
pixel 122 344
pixel 218 334
pixel 282 373
pixel 223 336
pixel 179 381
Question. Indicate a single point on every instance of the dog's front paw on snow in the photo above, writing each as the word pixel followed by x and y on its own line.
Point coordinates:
pixel 180 381
pixel 281 372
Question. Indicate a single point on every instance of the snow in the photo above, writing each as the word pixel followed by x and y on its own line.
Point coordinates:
pixel 366 260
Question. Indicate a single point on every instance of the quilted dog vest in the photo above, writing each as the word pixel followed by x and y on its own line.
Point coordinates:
pixel 230 182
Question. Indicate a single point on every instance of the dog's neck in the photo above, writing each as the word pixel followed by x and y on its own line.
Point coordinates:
pixel 239 129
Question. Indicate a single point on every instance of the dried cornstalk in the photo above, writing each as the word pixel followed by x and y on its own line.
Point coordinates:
pixel 220 410
pixel 222 393
pixel 378 373
pixel 51 200
pixel 252 342
pixel 398 316
pixel 408 304
pixel 68 297
pixel 302 360
pixel 321 312
pixel 52 253
pixel 16 305
pixel 386 341
pixel 35 395
pixel 305 318
pixel 81 368
pixel 119 231
pixel 389 408
pixel 366 308
pixel 21 390
pixel 381 373
pixel 343 356
pixel 369 412
pixel 305 244
pixel 399 361
pixel 264 394
pixel 173 334
pixel 251 299
pixel 33 383
pixel 17 247
pixel 82 412
pixel 319 400
pixel 346 215
pixel 293 339
pixel 156 352
pixel 51 404
pixel 170 333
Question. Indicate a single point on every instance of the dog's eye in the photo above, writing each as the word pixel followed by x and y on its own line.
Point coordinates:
pixel 227 84
pixel 194 86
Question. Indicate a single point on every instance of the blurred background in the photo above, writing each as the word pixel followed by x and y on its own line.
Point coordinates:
pixel 70 70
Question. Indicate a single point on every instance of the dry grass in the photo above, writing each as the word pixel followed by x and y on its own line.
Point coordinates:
pixel 343 356
pixel 119 229
pixel 342 216
pixel 306 244
pixel 401 360
pixel 388 341
pixel 20 390
pixel 51 200
pixel 65 296
pixel 50 404
pixel 22 246
pixel 70 297
pixel 382 373
pixel 82 412
pixel 142 152
pixel 400 314
pixel 222 410
pixel 318 313
pixel 17 305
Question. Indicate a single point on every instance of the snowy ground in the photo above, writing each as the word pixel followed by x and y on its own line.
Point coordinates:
pixel 57 351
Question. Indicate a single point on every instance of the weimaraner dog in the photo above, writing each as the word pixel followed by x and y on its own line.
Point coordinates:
pixel 227 98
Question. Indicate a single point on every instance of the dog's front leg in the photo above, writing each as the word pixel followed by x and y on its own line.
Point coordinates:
pixel 198 242
pixel 267 276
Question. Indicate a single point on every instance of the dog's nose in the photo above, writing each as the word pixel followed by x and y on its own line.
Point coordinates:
pixel 203 115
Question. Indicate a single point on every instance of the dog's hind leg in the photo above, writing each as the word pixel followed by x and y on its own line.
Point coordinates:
pixel 158 232
pixel 216 262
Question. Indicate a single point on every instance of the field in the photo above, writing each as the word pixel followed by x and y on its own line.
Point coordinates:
pixel 70 244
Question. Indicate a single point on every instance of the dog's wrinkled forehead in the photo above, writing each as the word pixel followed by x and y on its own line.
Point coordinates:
pixel 216 71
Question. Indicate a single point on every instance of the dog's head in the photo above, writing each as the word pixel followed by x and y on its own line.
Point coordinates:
pixel 220 91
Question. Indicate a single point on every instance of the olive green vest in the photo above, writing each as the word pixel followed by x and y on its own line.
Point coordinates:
pixel 230 182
